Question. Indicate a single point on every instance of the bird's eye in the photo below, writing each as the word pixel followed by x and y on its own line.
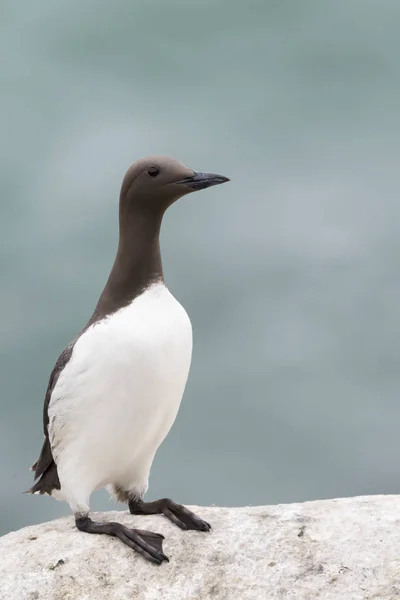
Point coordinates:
pixel 153 171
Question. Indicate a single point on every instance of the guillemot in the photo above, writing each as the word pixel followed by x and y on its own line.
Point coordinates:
pixel 115 390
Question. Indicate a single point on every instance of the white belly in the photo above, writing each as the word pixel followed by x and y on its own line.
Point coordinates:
pixel 118 396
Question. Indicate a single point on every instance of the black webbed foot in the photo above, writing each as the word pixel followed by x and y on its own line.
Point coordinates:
pixel 146 543
pixel 178 514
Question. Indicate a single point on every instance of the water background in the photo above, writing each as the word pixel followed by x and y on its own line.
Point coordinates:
pixel 290 273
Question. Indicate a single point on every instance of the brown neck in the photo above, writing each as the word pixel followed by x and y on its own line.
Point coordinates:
pixel 137 264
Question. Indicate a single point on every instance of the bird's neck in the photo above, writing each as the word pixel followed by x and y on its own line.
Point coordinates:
pixel 137 264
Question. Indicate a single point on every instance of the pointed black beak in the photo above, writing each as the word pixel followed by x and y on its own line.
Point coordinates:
pixel 200 181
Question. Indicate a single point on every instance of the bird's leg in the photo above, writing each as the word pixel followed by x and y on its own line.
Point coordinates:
pixel 146 543
pixel 178 514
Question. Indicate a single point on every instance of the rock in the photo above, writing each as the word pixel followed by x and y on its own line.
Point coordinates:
pixel 344 549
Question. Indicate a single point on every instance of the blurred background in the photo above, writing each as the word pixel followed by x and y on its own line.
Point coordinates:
pixel 290 273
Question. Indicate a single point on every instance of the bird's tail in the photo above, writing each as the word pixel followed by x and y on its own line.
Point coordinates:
pixel 47 483
pixel 45 472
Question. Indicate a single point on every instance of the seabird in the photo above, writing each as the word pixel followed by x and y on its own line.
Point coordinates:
pixel 115 390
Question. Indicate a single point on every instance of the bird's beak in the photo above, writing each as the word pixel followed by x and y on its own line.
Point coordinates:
pixel 200 181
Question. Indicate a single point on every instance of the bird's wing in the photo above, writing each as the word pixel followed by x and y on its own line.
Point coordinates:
pixel 46 458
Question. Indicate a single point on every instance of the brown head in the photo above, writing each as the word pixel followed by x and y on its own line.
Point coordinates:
pixel 149 187
pixel 152 184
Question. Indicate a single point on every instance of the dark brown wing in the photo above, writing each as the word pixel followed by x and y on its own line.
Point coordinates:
pixel 45 467
pixel 63 359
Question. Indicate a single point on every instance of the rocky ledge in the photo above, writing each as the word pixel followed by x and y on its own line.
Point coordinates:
pixel 346 549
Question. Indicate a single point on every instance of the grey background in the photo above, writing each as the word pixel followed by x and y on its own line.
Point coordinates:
pixel 290 273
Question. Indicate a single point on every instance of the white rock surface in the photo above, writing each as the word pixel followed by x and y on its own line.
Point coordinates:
pixel 331 550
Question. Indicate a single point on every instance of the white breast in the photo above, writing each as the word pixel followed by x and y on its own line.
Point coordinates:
pixel 118 396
